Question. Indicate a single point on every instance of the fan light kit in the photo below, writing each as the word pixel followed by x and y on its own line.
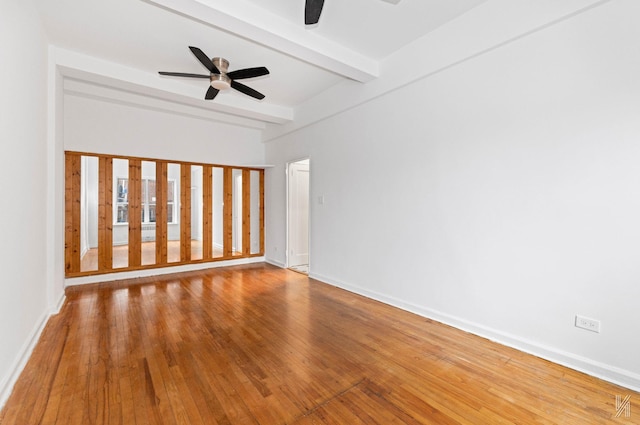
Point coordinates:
pixel 221 81
pixel 220 78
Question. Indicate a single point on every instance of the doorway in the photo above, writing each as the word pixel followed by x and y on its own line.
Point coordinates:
pixel 298 216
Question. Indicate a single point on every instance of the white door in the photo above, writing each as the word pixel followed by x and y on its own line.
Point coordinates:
pixel 298 213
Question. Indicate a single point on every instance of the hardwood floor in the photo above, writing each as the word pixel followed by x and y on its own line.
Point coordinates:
pixel 257 344
pixel 89 261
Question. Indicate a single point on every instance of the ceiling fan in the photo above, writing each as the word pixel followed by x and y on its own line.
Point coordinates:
pixel 220 78
pixel 313 9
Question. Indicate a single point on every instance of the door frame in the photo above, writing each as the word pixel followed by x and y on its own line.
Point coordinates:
pixel 288 202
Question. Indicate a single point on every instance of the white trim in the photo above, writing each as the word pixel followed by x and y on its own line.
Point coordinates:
pixel 591 367
pixel 85 280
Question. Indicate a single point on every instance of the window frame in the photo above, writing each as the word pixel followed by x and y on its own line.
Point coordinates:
pixel 144 205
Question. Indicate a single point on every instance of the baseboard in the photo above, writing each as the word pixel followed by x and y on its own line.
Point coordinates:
pixel 599 370
pixel 56 309
pixel 7 382
pixel 108 277
pixel 274 262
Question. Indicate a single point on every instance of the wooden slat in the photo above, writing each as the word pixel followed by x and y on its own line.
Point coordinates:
pixel 262 224
pixel 105 213
pixel 72 213
pixel 185 212
pixel 227 218
pixel 246 212
pixel 135 213
pixel 161 212
pixel 207 212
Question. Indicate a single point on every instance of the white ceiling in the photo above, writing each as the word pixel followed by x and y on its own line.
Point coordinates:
pixel 373 28
pixel 349 42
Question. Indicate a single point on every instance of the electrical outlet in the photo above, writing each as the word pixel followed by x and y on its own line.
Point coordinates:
pixel 588 324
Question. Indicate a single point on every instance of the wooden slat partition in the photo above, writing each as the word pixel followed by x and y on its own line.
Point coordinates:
pixel 207 212
pixel 72 189
pixel 107 255
pixel 135 213
pixel 161 212
pixel 185 212
pixel 246 212
pixel 105 213
pixel 227 219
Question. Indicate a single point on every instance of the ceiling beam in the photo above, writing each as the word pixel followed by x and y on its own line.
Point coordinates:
pixel 86 89
pixel 98 71
pixel 257 24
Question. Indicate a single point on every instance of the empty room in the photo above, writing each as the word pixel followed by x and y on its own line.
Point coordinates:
pixel 320 212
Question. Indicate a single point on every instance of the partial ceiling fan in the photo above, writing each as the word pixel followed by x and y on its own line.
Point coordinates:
pixel 313 10
pixel 220 78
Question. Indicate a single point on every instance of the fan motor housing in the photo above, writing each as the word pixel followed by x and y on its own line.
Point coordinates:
pixel 222 64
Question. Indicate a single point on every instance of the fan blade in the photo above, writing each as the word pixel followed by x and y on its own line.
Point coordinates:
pixel 312 11
pixel 248 73
pixel 204 60
pixel 211 93
pixel 182 74
pixel 246 90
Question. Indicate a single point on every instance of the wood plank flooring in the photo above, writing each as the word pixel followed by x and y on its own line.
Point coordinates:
pixel 120 255
pixel 257 344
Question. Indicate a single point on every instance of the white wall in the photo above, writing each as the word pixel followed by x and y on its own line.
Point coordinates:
pixel 101 126
pixel 89 204
pixel 218 212
pixel 254 246
pixel 501 195
pixel 23 172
